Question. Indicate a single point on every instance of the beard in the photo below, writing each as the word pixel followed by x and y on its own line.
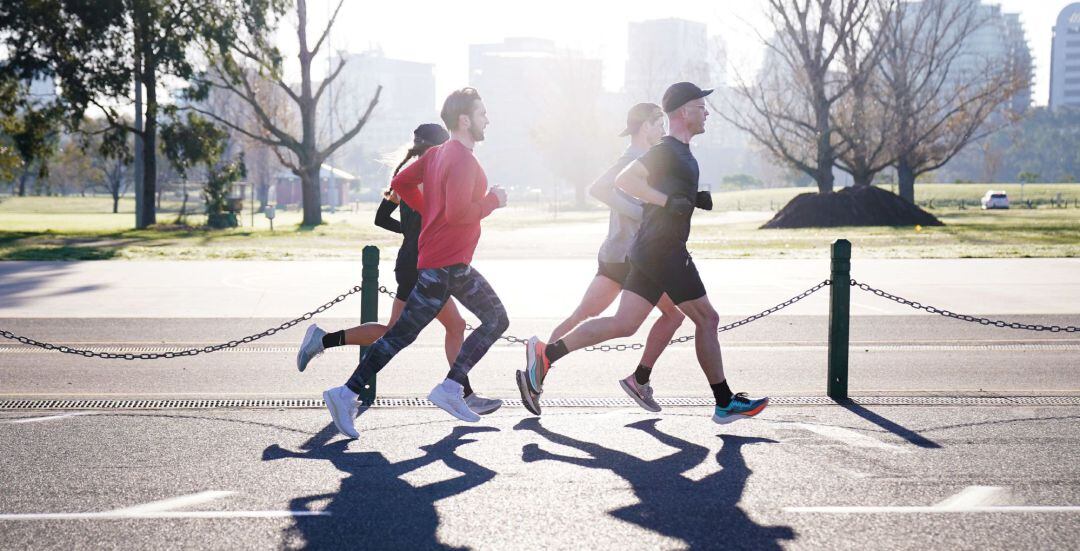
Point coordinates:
pixel 476 133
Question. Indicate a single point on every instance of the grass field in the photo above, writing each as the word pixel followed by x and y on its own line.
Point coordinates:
pixel 51 228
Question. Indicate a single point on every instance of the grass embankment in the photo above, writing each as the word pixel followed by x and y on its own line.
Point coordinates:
pixel 51 228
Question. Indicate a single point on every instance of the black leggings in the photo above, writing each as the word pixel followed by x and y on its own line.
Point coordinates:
pixel 433 289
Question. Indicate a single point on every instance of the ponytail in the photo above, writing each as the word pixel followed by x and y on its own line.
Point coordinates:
pixel 415 151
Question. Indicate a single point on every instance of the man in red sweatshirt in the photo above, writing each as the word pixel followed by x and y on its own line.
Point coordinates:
pixel 454 200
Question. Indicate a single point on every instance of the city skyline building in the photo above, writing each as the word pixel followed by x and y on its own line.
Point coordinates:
pixel 1065 59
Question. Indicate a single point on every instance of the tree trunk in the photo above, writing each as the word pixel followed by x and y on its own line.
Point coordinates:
pixel 149 140
pixel 905 175
pixel 862 179
pixel 309 185
pixel 22 182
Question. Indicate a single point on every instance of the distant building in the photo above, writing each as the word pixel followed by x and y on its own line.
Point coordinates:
pixel 287 189
pixel 407 100
pixel 999 40
pixel 661 52
pixel 1065 59
pixel 527 85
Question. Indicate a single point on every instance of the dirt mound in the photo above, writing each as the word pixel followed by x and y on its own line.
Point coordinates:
pixel 863 206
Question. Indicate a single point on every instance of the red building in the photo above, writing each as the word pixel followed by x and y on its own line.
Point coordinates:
pixel 287 189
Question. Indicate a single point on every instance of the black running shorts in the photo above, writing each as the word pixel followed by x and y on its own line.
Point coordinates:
pixel 615 271
pixel 406 280
pixel 679 280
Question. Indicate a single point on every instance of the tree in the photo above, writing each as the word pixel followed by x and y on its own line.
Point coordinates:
pixel 942 95
pixel 243 61
pixel 190 141
pixel 29 133
pixel 97 49
pixel 791 108
pixel 862 119
pixel 571 126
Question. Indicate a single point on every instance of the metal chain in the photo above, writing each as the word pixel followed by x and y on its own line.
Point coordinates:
pixel 964 317
pixel 188 352
pixel 728 327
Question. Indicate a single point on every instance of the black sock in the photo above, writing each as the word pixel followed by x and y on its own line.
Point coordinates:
pixel 555 350
pixel 467 387
pixel 330 340
pixel 641 374
pixel 722 393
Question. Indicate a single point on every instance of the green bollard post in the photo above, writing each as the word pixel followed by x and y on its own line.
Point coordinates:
pixel 839 319
pixel 369 308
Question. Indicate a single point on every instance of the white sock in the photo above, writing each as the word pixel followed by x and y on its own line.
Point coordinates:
pixel 453 386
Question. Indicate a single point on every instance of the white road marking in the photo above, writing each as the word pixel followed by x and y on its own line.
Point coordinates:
pixel 936 509
pixel 171 503
pixel 972 496
pixel 109 515
pixel 973 499
pixel 850 437
pixel 49 417
pixel 163 509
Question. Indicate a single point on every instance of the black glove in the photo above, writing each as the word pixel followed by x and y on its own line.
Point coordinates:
pixel 679 205
pixel 704 200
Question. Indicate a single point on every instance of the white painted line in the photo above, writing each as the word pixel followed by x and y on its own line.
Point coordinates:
pixel 171 503
pixel 850 437
pixel 110 515
pixel 936 509
pixel 49 417
pixel 973 499
pixel 972 496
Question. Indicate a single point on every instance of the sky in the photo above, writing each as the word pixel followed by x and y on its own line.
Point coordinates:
pixel 440 32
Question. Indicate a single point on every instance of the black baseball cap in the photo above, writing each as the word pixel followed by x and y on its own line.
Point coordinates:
pixel 430 133
pixel 681 92
pixel 637 116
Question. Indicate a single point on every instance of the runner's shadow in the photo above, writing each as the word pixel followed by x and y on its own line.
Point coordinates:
pixel 375 507
pixel 899 430
pixel 704 514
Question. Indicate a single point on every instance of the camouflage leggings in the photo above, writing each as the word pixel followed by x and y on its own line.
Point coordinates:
pixel 434 287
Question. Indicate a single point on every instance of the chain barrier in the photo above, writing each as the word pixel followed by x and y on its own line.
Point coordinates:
pixel 964 317
pixel 517 340
pixel 721 329
pixel 182 353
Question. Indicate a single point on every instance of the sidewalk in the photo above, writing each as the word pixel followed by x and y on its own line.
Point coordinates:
pixel 548 288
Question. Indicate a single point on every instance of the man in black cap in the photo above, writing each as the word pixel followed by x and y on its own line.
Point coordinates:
pixel 645 127
pixel 666 180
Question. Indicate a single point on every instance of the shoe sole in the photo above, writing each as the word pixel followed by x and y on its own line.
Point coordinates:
pixel 527 399
pixel 530 360
pixel 640 401
pixel 300 364
pixel 498 404
pixel 737 416
pixel 446 408
pixel 329 406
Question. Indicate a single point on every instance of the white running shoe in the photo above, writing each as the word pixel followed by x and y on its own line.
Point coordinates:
pixel 311 347
pixel 449 395
pixel 481 405
pixel 642 394
pixel 343 409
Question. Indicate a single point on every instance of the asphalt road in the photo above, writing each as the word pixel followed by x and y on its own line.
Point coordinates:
pixel 796 477
pixel 907 476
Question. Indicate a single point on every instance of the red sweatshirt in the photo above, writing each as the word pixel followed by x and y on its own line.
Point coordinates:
pixel 454 200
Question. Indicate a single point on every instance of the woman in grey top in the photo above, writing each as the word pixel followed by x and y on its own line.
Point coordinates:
pixel 645 126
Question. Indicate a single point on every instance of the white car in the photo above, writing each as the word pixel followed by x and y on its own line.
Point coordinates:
pixel 995 200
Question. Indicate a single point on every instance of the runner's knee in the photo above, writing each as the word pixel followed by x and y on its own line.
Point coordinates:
pixel 496 321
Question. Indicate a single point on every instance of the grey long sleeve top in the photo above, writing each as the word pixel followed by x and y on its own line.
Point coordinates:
pixel 626 211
